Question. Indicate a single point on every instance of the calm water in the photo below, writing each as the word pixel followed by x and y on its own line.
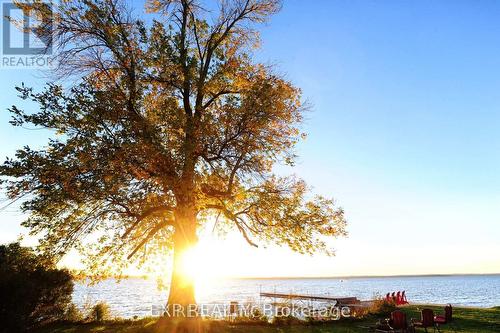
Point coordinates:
pixel 137 296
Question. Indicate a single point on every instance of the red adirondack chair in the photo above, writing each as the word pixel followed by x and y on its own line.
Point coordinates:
pixel 426 320
pixel 445 318
pixel 397 323
pixel 403 298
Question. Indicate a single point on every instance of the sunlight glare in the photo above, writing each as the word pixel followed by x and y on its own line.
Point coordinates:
pixel 196 266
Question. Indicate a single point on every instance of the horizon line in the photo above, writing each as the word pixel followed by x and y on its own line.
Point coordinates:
pixel 322 277
pixel 361 276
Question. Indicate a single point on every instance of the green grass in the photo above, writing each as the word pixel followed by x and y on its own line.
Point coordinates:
pixel 472 320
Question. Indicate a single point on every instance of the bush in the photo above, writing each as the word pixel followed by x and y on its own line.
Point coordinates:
pixel 73 314
pixel 287 321
pixel 381 306
pixel 360 312
pixel 33 291
pixel 100 312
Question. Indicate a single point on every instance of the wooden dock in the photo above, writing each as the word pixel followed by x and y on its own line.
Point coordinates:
pixel 339 300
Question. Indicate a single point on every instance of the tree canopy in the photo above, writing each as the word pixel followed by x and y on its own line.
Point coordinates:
pixel 168 123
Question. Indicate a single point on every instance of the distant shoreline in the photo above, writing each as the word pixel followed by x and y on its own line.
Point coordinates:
pixel 361 276
pixel 346 277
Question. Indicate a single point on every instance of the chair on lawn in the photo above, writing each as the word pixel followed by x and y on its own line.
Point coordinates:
pixel 403 298
pixel 445 318
pixel 397 324
pixel 426 320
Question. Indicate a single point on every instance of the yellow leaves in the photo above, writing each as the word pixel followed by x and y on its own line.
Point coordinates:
pixel 154 6
pixel 282 214
pixel 240 196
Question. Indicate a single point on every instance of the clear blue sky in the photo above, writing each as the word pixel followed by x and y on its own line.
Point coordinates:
pixel 404 133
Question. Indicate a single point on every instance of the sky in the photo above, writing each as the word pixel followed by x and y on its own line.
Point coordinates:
pixel 404 133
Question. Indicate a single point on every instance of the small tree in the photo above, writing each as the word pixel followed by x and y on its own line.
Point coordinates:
pixel 166 126
pixel 32 290
pixel 100 312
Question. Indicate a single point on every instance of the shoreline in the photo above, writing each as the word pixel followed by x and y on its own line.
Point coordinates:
pixel 459 306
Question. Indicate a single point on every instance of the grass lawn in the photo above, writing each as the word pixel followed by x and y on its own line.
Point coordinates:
pixel 465 320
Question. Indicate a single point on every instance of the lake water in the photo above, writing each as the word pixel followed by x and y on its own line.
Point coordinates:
pixel 136 297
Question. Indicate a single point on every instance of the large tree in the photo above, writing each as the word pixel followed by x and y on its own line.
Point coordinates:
pixel 162 125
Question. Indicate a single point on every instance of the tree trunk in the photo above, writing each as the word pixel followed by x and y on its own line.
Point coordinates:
pixel 181 296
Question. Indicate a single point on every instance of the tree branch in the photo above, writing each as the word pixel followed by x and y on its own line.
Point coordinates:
pixel 150 234
pixel 148 212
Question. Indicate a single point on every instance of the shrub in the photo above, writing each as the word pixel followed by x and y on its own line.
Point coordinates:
pixel 381 306
pixel 73 314
pixel 287 321
pixel 360 312
pixel 100 312
pixel 33 291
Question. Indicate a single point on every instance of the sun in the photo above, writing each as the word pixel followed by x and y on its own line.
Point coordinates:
pixel 191 263
pixel 197 266
pixel 207 259
pixel 218 258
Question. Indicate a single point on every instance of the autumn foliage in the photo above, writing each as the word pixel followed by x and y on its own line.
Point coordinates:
pixel 168 124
